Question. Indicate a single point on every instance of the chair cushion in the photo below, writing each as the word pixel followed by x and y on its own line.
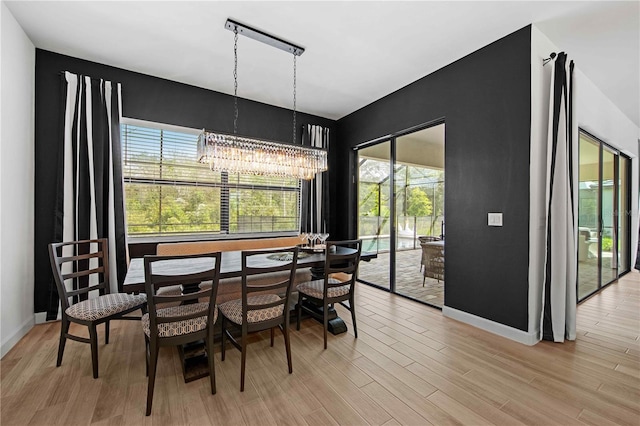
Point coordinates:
pixel 232 309
pixel 180 328
pixel 316 288
pixel 105 306
pixel 176 290
pixel 172 290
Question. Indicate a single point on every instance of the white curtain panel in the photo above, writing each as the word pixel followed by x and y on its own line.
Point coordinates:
pixel 317 141
pixel 90 198
pixel 315 203
pixel 558 319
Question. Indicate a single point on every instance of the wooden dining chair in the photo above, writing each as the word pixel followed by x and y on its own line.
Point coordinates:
pixel 337 285
pixel 81 273
pixel 191 320
pixel 264 304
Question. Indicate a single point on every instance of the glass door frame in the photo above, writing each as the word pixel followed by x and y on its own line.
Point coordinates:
pixel 626 214
pixel 606 149
pixel 356 182
pixel 616 213
pixel 392 208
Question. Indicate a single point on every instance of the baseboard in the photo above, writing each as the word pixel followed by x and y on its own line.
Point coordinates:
pixel 524 337
pixel 15 337
pixel 41 317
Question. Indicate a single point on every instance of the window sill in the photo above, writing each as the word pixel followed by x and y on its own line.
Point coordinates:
pixel 204 237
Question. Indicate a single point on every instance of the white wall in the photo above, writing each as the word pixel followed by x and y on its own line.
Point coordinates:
pixel 596 114
pixel 17 82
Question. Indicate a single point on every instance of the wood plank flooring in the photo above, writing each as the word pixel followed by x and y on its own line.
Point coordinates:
pixel 409 366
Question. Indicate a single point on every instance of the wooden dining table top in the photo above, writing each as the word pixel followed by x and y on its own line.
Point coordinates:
pixel 230 265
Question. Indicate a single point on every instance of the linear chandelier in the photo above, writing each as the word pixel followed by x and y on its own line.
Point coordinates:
pixel 238 154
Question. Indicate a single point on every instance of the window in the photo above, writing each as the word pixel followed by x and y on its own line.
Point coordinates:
pixel 167 192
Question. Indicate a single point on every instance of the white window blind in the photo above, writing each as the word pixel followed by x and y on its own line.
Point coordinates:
pixel 168 192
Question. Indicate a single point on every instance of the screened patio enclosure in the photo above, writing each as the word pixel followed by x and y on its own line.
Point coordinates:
pixel 420 197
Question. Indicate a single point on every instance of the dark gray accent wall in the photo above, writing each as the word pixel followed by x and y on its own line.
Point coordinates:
pixel 485 101
pixel 143 97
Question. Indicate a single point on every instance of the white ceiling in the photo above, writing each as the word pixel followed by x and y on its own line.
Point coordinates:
pixel 356 52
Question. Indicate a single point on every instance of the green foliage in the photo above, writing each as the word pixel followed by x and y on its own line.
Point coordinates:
pixel 418 203
pixel 607 243
pixel 373 200
pixel 419 198
pixel 155 209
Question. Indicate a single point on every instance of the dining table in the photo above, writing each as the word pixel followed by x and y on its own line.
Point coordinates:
pixel 230 267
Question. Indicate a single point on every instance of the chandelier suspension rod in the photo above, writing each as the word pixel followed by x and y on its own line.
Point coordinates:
pixel 235 82
pixel 294 100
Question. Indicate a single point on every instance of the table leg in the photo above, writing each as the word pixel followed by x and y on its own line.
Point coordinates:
pixel 336 324
pixel 193 355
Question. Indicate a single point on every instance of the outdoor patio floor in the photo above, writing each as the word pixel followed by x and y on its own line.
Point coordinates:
pixel 408 276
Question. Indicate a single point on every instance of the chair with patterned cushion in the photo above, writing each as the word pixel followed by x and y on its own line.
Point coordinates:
pixel 263 305
pixel 168 324
pixel 337 285
pixel 81 271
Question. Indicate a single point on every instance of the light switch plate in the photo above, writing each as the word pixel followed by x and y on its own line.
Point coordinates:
pixel 494 219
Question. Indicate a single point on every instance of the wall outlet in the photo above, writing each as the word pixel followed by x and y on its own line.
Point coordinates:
pixel 494 219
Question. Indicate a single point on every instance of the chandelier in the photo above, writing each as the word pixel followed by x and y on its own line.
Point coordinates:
pixel 238 154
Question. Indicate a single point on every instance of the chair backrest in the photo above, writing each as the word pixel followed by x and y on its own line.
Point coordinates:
pixel 343 258
pixel 80 267
pixel 428 238
pixel 432 250
pixel 267 261
pixel 160 271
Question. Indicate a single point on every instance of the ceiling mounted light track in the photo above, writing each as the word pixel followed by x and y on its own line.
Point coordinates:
pixel 263 37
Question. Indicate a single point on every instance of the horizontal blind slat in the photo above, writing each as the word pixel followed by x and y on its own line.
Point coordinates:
pixel 168 191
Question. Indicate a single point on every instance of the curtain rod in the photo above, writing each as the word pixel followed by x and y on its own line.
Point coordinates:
pixel 552 55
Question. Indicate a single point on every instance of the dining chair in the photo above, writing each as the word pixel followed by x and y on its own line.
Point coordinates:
pixel 81 273
pixel 264 304
pixel 337 285
pixel 191 320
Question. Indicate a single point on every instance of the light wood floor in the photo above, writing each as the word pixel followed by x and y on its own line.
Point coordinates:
pixel 408 366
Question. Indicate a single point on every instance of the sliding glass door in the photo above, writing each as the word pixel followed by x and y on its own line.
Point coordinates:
pixel 374 206
pixel 419 215
pixel 603 219
pixel 624 222
pixel 609 219
pixel 401 213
